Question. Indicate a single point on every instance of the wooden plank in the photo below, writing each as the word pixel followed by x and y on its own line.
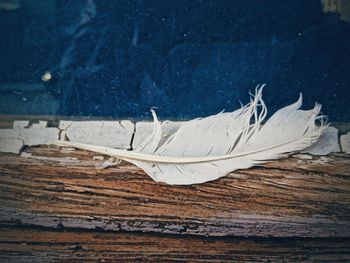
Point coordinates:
pixel 45 245
pixel 286 198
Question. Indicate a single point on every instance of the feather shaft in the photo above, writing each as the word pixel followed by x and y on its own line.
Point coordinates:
pixel 124 154
pixel 208 148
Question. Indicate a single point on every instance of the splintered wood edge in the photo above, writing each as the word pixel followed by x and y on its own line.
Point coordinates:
pixel 43 245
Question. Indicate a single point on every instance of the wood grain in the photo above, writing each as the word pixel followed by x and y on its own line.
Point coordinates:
pixel 45 245
pixel 288 198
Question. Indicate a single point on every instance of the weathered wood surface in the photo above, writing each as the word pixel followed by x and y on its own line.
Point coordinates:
pixel 45 245
pixel 287 198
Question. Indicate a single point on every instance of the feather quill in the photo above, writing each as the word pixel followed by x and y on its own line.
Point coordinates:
pixel 205 149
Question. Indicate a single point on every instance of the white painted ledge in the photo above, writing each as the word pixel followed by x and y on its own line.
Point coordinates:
pixel 116 134
pixel 31 136
pixel 327 143
pixel 345 143
pixel 124 135
pixel 11 145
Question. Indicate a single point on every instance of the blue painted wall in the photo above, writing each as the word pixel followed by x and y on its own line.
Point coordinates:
pixel 187 58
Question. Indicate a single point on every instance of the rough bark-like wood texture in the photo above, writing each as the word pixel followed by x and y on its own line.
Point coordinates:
pixel 44 245
pixel 287 198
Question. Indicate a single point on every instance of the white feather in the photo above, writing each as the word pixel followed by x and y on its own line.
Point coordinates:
pixel 205 149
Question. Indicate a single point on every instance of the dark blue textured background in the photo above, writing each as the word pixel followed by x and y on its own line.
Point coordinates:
pixel 188 58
